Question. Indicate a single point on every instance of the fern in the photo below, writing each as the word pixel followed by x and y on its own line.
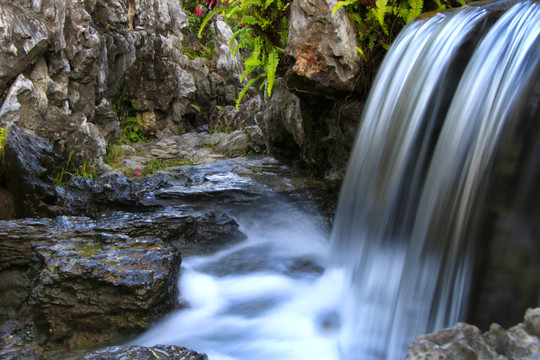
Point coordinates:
pixel 212 14
pixel 271 67
pixel 245 89
pixel 380 12
pixel 342 3
pixel 262 33
pixel 415 10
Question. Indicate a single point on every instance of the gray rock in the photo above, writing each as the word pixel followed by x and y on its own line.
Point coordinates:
pixel 27 165
pixel 23 38
pixel 465 341
pixel 93 289
pixel 228 67
pixel 323 47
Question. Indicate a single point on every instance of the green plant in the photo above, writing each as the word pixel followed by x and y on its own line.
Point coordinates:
pixel 379 21
pixel 212 144
pixel 154 165
pixel 115 154
pixel 261 31
pixel 132 130
pixel 86 170
pixel 3 136
pixel 225 129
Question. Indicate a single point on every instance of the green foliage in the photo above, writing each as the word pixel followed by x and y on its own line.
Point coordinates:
pixel 3 136
pixel 86 170
pixel 379 21
pixel 154 165
pixel 115 154
pixel 261 32
pixel 226 129
pixel 132 130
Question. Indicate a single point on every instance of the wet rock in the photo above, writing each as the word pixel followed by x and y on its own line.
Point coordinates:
pixel 27 165
pixel 322 45
pixel 83 283
pixel 465 341
pixel 90 290
pixel 139 352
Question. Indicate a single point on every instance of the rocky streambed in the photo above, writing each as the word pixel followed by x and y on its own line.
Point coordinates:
pixel 110 268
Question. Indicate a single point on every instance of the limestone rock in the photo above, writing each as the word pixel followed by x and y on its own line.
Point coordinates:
pixel 465 341
pixel 23 38
pixel 228 67
pixel 116 286
pixel 323 47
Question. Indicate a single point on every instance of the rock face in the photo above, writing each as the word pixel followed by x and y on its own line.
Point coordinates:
pixel 465 341
pixel 323 47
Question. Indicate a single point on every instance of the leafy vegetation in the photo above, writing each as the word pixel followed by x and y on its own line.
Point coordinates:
pixel 132 128
pixel 261 31
pixel 379 21
pixel 154 165
pixel 86 170
pixel 3 136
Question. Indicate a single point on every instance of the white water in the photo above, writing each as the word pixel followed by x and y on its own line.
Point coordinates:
pixel 268 301
pixel 400 251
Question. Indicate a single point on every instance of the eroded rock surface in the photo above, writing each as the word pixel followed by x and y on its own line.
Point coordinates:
pixel 465 341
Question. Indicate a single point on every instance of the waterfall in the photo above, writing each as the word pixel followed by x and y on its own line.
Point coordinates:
pixel 451 95
pixel 406 223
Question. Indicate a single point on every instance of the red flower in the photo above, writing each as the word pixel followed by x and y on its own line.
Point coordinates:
pixel 137 172
pixel 198 12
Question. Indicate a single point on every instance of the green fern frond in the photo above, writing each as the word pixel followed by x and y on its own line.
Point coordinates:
pixel 211 14
pixel 271 67
pixel 235 35
pixel 361 53
pixel 380 12
pixel 245 89
pixel 415 10
pixel 342 3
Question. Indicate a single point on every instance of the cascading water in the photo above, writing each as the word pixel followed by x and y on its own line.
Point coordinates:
pixel 405 225
pixel 401 254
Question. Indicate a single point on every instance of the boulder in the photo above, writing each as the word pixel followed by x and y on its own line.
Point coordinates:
pixel 81 281
pixel 465 341
pixel 27 165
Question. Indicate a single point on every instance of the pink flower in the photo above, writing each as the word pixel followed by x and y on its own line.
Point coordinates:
pixel 137 172
pixel 198 12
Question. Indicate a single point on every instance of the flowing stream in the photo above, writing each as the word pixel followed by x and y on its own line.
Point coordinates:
pixel 400 255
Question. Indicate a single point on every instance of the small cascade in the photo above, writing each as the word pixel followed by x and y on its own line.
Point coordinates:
pixel 405 229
